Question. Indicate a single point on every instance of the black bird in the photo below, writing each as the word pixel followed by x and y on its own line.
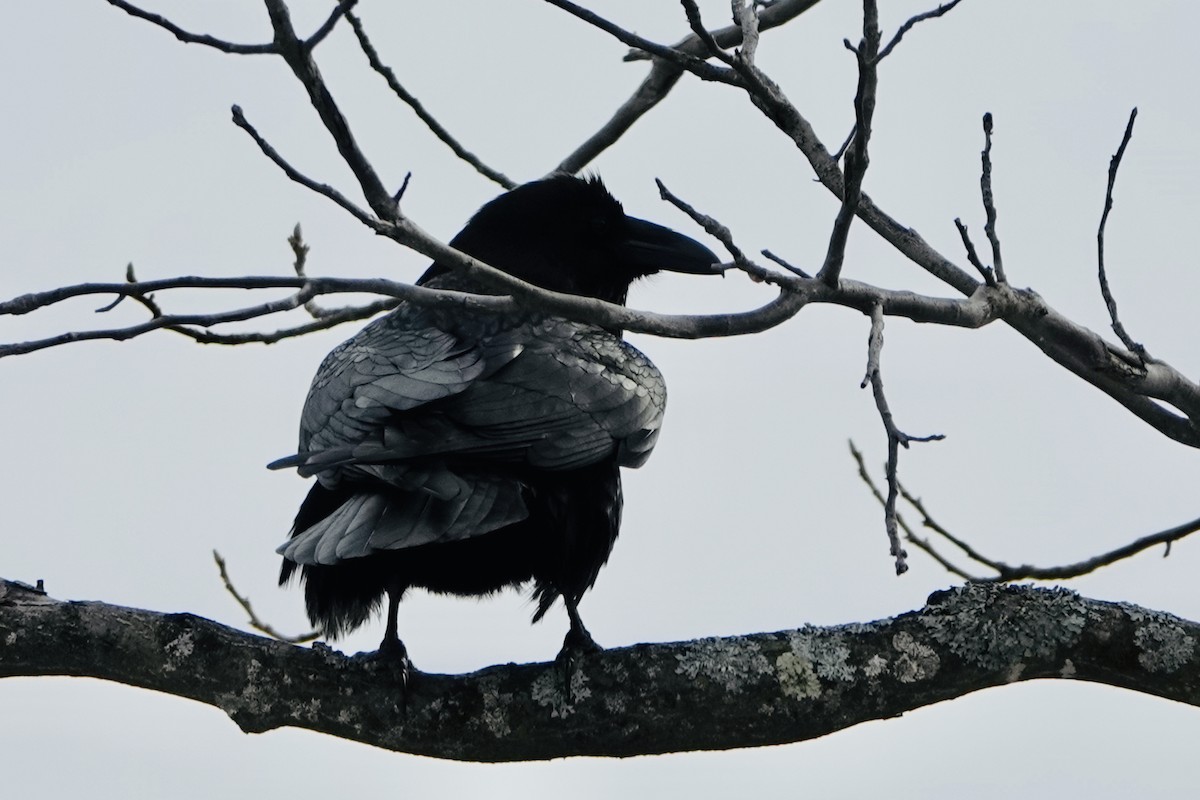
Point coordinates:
pixel 467 452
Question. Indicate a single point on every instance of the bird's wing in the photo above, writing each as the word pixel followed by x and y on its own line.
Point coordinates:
pixel 454 424
pixel 548 394
pixel 574 395
pixel 398 364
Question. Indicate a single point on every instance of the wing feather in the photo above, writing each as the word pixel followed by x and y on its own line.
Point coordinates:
pixel 436 416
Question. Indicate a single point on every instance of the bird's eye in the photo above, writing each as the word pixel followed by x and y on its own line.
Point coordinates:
pixel 600 225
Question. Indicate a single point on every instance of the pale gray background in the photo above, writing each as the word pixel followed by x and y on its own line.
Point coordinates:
pixel 124 465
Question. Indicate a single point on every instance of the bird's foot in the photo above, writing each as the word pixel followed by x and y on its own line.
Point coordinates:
pixel 577 646
pixel 392 657
pixel 579 640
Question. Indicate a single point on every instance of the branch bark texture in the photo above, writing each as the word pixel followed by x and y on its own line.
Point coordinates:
pixel 708 694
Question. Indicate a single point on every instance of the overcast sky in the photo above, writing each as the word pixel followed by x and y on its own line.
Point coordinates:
pixel 126 464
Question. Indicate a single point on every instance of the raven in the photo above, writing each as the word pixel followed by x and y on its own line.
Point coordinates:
pixel 464 452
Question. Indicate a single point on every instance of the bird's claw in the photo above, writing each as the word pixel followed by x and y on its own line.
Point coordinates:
pixel 392 656
pixel 577 645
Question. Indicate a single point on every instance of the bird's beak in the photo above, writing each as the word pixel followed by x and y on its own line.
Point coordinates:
pixel 649 248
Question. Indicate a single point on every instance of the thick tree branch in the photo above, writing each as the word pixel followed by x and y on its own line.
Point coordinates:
pixel 761 689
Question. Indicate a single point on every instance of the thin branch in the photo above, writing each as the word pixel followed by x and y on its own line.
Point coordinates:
pixel 434 126
pixel 989 203
pixel 325 189
pixel 194 38
pixel 330 318
pixel 167 321
pixel 299 58
pixel 1114 370
pixel 770 15
pixel 692 11
pixel 1025 572
pixel 300 253
pixel 1165 538
pixel 341 10
pixel 657 85
pixel 928 521
pixel 1110 301
pixel 895 437
pixel 696 66
pixel 907 26
pixel 662 78
pixel 1008 572
pixel 254 621
pixel 909 535
pixel 857 157
pixel 841 151
pixel 786 265
pixel 989 277
pixel 710 225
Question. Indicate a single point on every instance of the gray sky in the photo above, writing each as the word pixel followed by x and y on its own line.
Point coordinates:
pixel 126 464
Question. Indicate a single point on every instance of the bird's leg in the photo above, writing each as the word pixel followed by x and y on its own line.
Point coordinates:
pixel 578 638
pixel 577 644
pixel 391 649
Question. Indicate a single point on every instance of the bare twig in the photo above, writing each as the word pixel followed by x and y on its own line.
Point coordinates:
pixel 1008 572
pixel 297 55
pixel 711 226
pixel 167 321
pixel 1104 559
pixel 692 11
pixel 928 521
pixel 786 265
pixel 657 84
pixel 909 535
pixel 770 15
pixel 325 189
pixel 696 66
pixel 989 203
pixel 300 251
pixel 341 10
pixel 254 621
pixel 1155 392
pixel 1113 165
pixel 841 151
pixel 907 26
pixel 434 126
pixel 896 438
pixel 662 78
pixel 989 276
pixel 857 158
pixel 194 38
pixel 1023 572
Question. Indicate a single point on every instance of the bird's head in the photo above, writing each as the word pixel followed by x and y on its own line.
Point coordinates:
pixel 570 235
